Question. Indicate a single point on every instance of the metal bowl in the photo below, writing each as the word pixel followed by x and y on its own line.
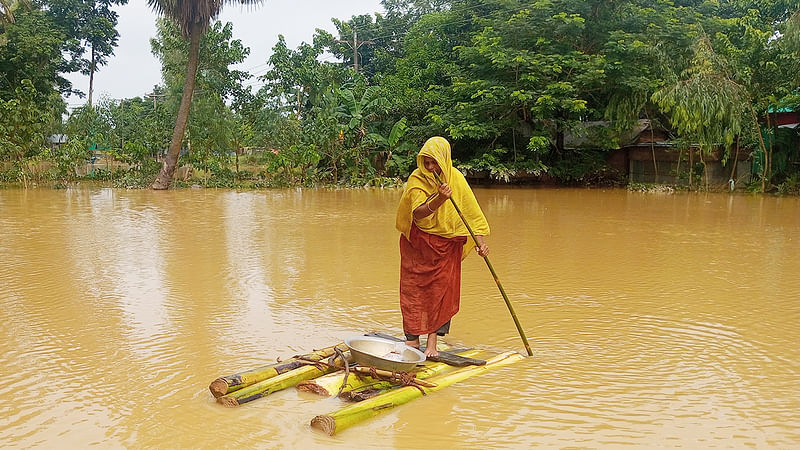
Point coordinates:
pixel 384 354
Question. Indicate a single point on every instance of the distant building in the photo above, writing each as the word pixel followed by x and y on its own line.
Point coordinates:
pixel 784 118
pixel 56 140
pixel 648 154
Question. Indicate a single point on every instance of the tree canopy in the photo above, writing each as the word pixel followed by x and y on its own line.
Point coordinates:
pixel 507 81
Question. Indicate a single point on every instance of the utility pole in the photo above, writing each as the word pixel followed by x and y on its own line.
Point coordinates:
pixel 122 123
pixel 355 45
pixel 154 96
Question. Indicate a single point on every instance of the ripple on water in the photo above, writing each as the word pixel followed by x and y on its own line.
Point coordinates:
pixel 635 378
pixel 653 323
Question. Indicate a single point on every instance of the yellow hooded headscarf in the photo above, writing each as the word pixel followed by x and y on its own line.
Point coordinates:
pixel 422 185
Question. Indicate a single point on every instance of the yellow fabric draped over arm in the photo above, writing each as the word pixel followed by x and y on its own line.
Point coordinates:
pixel 422 185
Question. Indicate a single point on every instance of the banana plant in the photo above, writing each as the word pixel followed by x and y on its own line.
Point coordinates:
pixel 357 112
pixel 387 146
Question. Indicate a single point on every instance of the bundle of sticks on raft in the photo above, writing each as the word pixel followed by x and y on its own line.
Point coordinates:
pixel 330 372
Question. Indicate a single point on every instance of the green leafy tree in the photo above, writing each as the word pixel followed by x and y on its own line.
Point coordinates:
pixel 421 75
pixel 739 67
pixel 33 51
pixel 210 126
pixel 643 44
pixel 22 124
pixel 98 29
pixel 300 121
pixel 707 108
pixel 140 129
pixel 524 80
pixel 354 45
pixel 297 79
pixel 89 26
pixel 30 80
pixel 211 137
pixel 193 18
pixel 356 110
pixel 324 134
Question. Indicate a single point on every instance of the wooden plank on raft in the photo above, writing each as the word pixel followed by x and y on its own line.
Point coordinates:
pixel 452 359
pixel 447 357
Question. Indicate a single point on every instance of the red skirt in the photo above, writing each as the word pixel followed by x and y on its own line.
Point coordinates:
pixel 430 280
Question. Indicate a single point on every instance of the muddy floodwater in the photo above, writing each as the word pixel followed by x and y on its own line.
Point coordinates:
pixel 655 320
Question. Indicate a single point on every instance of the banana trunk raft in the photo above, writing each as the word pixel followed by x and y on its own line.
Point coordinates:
pixel 331 371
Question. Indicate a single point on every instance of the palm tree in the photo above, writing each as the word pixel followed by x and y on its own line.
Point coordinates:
pixel 6 15
pixel 7 8
pixel 193 17
pixel 792 32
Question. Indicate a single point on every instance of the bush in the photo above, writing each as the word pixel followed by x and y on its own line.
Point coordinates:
pixel 139 178
pixel 791 186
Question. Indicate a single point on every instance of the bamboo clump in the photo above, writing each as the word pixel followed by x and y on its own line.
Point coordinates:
pixel 230 383
pixel 348 416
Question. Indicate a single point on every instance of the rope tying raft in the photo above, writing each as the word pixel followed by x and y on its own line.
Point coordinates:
pixel 402 378
pixel 340 354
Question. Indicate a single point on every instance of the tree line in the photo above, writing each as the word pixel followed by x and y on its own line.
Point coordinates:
pixel 505 80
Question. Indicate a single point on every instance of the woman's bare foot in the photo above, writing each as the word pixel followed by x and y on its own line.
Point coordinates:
pixel 414 343
pixel 430 346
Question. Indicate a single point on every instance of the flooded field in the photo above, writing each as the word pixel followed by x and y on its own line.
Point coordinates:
pixel 655 320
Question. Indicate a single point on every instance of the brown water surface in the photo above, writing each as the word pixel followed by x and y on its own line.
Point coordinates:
pixel 655 320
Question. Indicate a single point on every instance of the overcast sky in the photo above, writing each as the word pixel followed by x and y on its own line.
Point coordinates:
pixel 133 71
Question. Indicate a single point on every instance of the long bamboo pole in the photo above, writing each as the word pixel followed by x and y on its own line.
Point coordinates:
pixel 329 385
pixel 230 383
pixel 277 383
pixel 494 274
pixel 348 416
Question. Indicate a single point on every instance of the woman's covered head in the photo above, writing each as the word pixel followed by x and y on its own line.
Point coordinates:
pixel 434 157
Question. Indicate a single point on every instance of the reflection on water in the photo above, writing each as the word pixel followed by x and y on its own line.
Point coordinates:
pixel 655 320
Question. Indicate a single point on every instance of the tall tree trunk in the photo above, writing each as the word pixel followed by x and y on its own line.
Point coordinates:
pixel 299 104
pixel 768 153
pixel 761 143
pixel 7 16
pixel 92 67
pixel 705 169
pixel 238 150
pixel 171 160
pixel 732 180
pixel 559 140
pixel 652 146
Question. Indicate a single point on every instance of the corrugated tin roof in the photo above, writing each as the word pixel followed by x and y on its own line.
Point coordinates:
pixel 597 133
pixel 57 139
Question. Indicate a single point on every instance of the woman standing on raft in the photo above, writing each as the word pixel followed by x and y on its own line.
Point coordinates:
pixel 433 243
